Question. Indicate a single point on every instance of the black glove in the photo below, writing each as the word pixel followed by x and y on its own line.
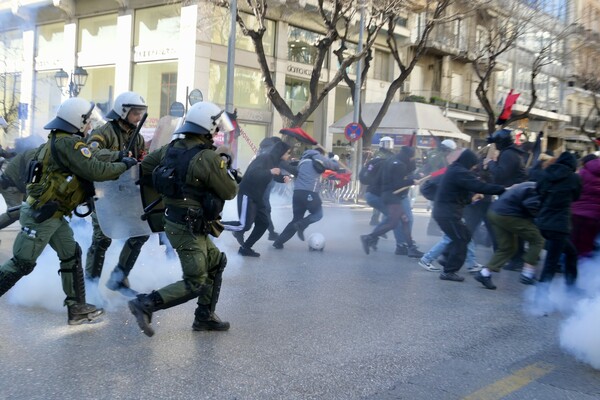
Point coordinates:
pixel 121 155
pixel 129 161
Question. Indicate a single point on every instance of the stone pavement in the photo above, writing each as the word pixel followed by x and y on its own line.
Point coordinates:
pixel 335 324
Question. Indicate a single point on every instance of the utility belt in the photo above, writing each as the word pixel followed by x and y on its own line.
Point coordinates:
pixel 45 211
pixel 192 218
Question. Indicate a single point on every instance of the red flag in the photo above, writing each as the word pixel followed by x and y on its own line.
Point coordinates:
pixel 511 99
pixel 413 140
pixel 439 172
pixel 299 134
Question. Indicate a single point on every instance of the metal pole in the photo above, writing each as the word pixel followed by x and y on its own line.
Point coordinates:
pixel 230 62
pixel 358 147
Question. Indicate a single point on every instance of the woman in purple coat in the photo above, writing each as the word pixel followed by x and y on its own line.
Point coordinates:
pixel 586 211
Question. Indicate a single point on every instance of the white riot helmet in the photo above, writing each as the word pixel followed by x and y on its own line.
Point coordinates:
pixel 448 144
pixel 125 102
pixel 205 118
pixel 72 116
pixel 386 142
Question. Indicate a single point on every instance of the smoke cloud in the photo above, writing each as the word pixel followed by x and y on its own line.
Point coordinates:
pixel 580 331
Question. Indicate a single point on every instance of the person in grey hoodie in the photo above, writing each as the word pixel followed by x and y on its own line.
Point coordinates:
pixel 306 196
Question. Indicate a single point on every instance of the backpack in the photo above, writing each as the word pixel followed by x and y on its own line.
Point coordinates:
pixel 429 188
pixel 370 172
pixel 317 164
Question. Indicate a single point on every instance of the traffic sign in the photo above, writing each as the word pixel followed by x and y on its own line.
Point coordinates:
pixel 353 131
pixel 195 96
pixel 177 109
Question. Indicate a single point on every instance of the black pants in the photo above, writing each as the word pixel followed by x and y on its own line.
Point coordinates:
pixel 456 251
pixel 252 213
pixel 302 202
pixel 558 243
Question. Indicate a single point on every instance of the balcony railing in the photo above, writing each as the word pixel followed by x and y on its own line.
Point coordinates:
pixel 577 121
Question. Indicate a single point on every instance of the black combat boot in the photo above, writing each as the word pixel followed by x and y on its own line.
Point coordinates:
pixel 83 312
pixel 208 321
pixel 118 282
pixel 401 249
pixel 368 241
pixel 7 280
pixel 414 252
pixel 142 308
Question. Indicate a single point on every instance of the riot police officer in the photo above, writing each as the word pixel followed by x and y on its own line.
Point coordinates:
pixel 194 182
pixel 109 142
pixel 60 180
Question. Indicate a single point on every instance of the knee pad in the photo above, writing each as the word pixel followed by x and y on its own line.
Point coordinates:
pixel 24 267
pixel 103 243
pixel 136 243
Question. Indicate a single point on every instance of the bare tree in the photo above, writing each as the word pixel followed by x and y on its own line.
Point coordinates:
pixel 9 88
pixel 336 19
pixel 502 24
pixel 430 13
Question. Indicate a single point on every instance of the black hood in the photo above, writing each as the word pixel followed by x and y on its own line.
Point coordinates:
pixel 467 159
pixel 568 160
pixel 278 150
pixel 407 156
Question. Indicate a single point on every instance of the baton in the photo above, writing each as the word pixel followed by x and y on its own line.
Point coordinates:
pixel 149 207
pixel 135 133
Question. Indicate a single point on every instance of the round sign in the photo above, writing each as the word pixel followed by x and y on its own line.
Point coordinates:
pixel 195 96
pixel 353 131
pixel 177 109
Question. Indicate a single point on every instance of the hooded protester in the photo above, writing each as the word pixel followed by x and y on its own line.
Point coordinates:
pixel 251 205
pixel 306 194
pixel 586 210
pixel 396 174
pixel 508 169
pixel 265 146
pixel 558 187
pixel 455 191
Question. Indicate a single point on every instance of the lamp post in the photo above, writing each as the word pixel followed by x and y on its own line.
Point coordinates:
pixel 72 83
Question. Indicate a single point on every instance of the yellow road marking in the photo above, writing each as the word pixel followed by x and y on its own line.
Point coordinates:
pixel 511 383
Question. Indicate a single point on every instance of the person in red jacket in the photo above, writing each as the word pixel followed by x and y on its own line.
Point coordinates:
pixel 586 211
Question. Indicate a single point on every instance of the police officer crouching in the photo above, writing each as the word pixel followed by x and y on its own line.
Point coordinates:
pixel 194 182
pixel 60 178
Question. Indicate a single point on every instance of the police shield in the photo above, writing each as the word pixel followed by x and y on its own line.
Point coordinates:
pixel 119 207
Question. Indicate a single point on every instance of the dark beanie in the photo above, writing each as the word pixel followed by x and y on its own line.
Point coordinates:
pixel 567 159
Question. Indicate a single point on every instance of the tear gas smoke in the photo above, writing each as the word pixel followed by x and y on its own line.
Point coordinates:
pixel 580 331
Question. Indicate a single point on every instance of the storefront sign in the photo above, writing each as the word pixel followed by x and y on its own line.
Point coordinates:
pixel 149 54
pixel 297 70
pixel 42 63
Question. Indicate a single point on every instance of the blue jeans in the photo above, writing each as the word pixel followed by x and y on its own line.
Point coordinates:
pixel 375 201
pixel 439 247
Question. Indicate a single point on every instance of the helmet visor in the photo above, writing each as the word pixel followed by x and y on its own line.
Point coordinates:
pixel 223 122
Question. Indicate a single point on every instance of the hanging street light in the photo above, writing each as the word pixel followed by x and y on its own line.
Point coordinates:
pixel 73 83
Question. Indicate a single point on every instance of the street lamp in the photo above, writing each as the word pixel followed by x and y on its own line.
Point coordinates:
pixel 72 83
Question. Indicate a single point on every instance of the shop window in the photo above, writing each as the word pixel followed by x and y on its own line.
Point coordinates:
pixel 248 89
pixel 97 39
pixel 222 27
pixel 99 87
pixel 11 51
pixel 302 45
pixel 157 33
pixel 148 82
pixel 168 92
pixel 49 46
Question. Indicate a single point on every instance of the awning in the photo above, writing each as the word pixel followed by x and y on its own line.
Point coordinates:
pixel 578 138
pixel 406 118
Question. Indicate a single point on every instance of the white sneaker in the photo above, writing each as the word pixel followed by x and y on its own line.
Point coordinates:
pixel 475 268
pixel 428 266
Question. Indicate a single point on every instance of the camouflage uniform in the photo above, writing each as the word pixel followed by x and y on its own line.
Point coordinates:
pixel 40 227
pixel 202 262
pixel 12 186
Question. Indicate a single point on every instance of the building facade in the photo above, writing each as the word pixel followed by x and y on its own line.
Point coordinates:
pixel 165 49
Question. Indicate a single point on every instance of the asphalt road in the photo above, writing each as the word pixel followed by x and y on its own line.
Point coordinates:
pixel 336 324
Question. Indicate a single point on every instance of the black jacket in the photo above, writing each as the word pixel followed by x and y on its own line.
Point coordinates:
pixel 558 187
pixel 510 167
pixel 457 187
pixel 522 201
pixel 396 175
pixel 258 175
